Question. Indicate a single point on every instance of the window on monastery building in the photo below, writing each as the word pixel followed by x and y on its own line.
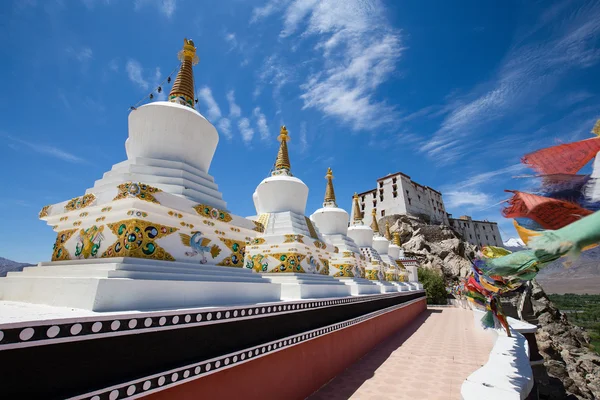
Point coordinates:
pixel 383 213
pixel 409 202
pixel 362 199
pixel 470 236
pixel 419 196
pixel 395 194
pixel 374 203
pixel 406 191
pixel 486 237
pixel 394 180
pixel 374 194
pixel 494 237
pixel 381 184
pixel 362 207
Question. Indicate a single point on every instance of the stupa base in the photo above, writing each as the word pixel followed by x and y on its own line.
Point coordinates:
pixel 308 286
pixel 120 284
pixel 360 286
pixel 402 286
pixel 386 287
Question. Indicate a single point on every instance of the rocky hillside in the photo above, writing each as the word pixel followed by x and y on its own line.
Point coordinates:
pixel 566 353
pixel 437 247
pixel 572 370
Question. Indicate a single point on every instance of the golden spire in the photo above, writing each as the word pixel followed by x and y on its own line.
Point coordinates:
pixel 396 239
pixel 182 91
pixel 374 224
pixel 358 217
pixel 329 192
pixel 387 233
pixel 282 163
pixel 596 129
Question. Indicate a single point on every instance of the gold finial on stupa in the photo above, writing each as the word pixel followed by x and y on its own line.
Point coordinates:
pixel 596 128
pixel 396 239
pixel 387 233
pixel 374 224
pixel 357 214
pixel 282 163
pixel 329 192
pixel 182 91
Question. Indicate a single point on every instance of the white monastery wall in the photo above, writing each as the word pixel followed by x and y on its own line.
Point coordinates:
pixel 478 233
pixel 398 194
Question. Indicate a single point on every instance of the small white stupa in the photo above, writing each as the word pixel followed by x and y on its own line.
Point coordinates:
pixel 348 265
pixel 363 237
pixel 290 251
pixel 393 274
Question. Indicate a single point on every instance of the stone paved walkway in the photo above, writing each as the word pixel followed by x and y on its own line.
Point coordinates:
pixel 427 360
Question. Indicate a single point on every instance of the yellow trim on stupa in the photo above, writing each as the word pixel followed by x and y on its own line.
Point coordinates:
pixel 329 192
pixel 182 91
pixel 358 217
pixel 396 239
pixel 283 159
pixel 374 224
pixel 387 233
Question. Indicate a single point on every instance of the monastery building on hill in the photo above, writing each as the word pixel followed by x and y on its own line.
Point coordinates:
pixel 398 194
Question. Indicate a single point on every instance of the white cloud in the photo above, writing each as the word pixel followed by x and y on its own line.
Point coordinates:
pixel 83 54
pixel 113 65
pixel 167 7
pixel 213 111
pixel 303 139
pixel 49 150
pixel 359 52
pixel 224 126
pixel 460 199
pixel 275 72
pixel 530 71
pixel 135 74
pixel 485 177
pixel 231 39
pixel 271 7
pixel 245 129
pixel 234 110
pixel 261 122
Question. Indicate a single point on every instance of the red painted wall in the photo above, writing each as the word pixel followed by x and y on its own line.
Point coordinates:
pixel 298 371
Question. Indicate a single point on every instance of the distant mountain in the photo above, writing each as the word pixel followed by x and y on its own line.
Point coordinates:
pixel 7 265
pixel 566 275
pixel 514 244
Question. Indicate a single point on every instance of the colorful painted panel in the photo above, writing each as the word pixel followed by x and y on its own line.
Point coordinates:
pixel 212 212
pixel 289 262
pixel 80 202
pixel 136 238
pixel 89 241
pixel 345 271
pixel 59 252
pixel 137 190
pixel 238 251
pixel 44 211
pixel 199 244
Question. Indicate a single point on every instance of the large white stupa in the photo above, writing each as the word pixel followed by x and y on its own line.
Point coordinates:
pixel 154 231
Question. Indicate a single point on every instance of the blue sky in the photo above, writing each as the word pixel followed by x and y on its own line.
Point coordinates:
pixel 452 96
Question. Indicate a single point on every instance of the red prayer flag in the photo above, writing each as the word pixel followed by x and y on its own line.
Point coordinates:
pixel 563 159
pixel 549 213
